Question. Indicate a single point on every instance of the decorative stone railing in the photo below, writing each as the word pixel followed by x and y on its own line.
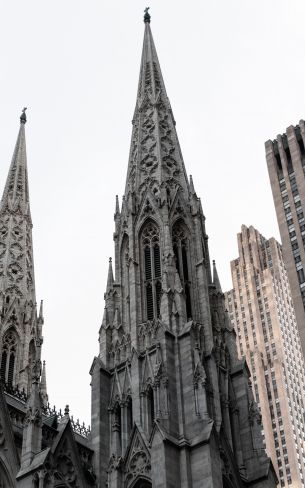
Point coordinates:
pixel 77 427
pixel 49 411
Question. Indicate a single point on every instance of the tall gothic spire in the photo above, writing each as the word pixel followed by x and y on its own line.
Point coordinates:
pixel 155 155
pixel 16 255
pixel 19 321
pixel 16 192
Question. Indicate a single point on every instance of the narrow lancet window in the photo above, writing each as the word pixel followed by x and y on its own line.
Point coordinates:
pixel 150 409
pixel 9 350
pixel 152 270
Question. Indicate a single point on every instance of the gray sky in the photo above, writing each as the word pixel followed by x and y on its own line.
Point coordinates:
pixel 235 75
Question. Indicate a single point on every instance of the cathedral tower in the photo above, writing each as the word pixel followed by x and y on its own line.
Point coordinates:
pixel 20 325
pixel 171 403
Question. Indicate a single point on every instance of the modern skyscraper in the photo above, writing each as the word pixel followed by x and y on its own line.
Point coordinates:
pixel 286 166
pixel 171 403
pixel 262 312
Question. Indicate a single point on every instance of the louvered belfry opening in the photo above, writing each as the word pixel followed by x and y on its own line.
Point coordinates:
pixel 181 251
pixel 152 269
pixel 9 350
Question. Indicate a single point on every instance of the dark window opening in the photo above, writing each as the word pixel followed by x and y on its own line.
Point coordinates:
pixel 10 375
pixel 149 302
pixel 129 416
pixel 152 270
pixel 3 366
pixel 158 296
pixel 150 409
pixel 147 263
pixel 157 262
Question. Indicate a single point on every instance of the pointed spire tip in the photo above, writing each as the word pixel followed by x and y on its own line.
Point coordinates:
pixel 146 16
pixel 23 116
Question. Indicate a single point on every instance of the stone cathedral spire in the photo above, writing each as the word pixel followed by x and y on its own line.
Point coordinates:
pixel 171 403
pixel 155 155
pixel 20 327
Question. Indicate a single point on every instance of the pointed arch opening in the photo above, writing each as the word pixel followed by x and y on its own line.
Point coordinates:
pixel 8 357
pixel 151 265
pixel 181 247
pixel 129 416
pixel 150 408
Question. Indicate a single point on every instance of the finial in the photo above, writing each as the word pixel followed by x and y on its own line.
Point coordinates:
pixel 23 116
pixel 146 16
pixel 41 309
pixel 117 205
pixel 67 410
pixel 192 188
pixel 110 260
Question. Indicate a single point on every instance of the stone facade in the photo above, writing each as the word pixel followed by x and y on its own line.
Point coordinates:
pixel 171 401
pixel 286 165
pixel 262 313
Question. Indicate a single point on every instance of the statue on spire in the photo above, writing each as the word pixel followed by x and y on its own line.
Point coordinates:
pixel 23 116
pixel 146 16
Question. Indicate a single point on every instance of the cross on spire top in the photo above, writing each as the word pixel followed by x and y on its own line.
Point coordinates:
pixel 23 116
pixel 146 16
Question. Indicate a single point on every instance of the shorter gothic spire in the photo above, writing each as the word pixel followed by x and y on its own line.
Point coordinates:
pixel 216 281
pixel 117 206
pixel 192 188
pixel 40 317
pixel 43 385
pixel 110 279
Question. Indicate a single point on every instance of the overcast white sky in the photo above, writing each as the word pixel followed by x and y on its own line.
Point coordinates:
pixel 235 74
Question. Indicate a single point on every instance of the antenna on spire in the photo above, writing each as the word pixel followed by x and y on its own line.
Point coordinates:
pixel 146 16
pixel 23 116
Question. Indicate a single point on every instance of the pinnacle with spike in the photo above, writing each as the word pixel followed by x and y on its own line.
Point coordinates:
pixel 216 281
pixel 110 279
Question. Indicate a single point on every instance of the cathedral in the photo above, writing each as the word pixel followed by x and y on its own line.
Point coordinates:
pixel 172 405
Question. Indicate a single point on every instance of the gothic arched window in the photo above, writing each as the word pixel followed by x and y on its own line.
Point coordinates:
pixel 8 359
pixel 181 250
pixel 152 269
